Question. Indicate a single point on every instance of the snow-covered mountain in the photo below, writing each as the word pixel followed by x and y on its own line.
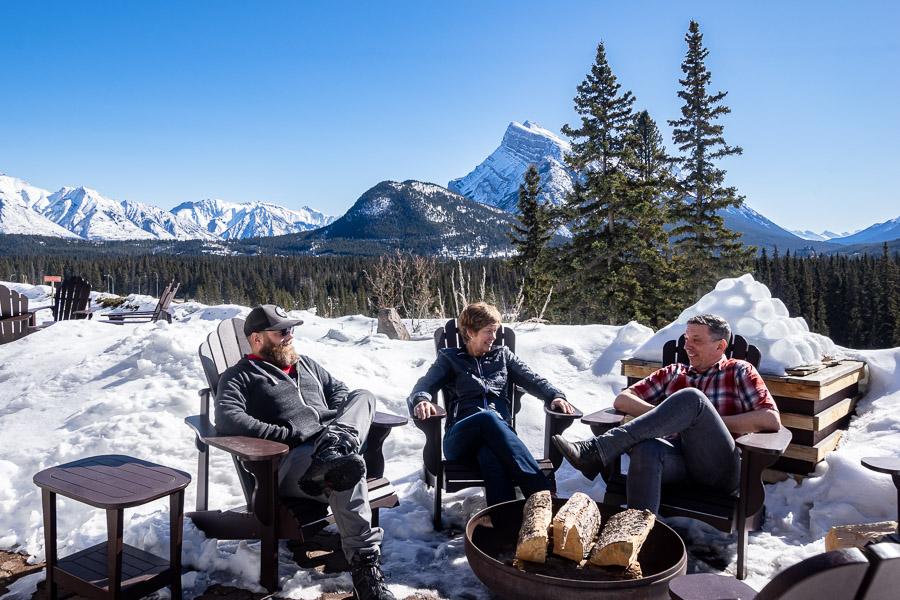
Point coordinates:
pixel 496 181
pixel 230 220
pixel 414 216
pixel 16 214
pixel 880 232
pixel 81 212
pixel 826 235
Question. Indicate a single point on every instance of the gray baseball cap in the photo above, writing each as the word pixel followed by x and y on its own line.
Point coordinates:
pixel 268 317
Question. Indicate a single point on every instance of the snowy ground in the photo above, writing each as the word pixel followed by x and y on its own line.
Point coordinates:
pixel 82 388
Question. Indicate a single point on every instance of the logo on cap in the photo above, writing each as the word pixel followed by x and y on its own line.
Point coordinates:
pixel 280 312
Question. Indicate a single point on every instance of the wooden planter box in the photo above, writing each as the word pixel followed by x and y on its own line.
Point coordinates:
pixel 816 408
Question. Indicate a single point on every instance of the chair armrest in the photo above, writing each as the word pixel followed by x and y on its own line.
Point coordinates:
pixel 604 420
pixel 703 586
pixel 383 419
pixel 246 448
pixel 773 443
pixel 433 419
pixel 382 425
pixel 555 423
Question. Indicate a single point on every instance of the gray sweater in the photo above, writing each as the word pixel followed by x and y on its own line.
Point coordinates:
pixel 258 399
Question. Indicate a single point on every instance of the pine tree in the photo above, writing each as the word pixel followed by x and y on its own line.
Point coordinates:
pixel 530 237
pixel 711 250
pixel 605 287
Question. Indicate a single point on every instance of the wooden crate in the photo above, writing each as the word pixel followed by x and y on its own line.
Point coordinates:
pixel 816 408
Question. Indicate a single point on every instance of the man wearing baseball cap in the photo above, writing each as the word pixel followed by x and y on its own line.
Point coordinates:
pixel 276 394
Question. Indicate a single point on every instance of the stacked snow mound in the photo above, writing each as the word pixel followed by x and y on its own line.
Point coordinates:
pixel 752 312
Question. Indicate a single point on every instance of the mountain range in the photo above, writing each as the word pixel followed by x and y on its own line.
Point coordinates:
pixel 471 217
pixel 81 212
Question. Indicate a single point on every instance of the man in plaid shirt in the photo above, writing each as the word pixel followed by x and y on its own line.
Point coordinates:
pixel 685 421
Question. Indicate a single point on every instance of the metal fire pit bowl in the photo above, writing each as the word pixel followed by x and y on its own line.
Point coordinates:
pixel 491 536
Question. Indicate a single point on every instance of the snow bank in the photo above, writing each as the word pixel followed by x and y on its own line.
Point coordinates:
pixel 752 312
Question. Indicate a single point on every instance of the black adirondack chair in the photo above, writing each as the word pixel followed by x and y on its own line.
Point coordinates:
pixel 14 315
pixel 266 516
pixel 836 575
pixel 149 316
pixel 70 300
pixel 453 476
pixel 740 512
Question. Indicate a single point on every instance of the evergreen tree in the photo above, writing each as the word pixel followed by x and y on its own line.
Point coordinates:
pixel 711 250
pixel 605 286
pixel 530 237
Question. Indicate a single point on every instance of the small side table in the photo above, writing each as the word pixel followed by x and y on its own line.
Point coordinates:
pixel 113 569
pixel 891 466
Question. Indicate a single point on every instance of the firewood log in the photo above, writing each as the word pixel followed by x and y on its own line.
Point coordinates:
pixel 622 537
pixel 534 535
pixel 857 536
pixel 575 526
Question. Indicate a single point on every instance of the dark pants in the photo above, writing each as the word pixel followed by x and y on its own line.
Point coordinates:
pixel 703 452
pixel 502 456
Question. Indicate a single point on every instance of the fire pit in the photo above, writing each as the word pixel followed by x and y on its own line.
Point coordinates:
pixel 491 544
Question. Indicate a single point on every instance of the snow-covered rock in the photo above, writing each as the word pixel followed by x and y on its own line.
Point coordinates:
pixel 16 214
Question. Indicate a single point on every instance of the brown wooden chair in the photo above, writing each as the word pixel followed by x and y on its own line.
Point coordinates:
pixel 14 316
pixel 837 575
pixel 70 300
pixel 149 316
pixel 453 476
pixel 740 512
pixel 266 516
pixel 883 578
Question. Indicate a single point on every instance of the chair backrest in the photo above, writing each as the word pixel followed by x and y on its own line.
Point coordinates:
pixel 737 348
pixel 883 579
pixel 835 575
pixel 449 336
pixel 223 348
pixel 72 295
pixel 12 304
pixel 165 299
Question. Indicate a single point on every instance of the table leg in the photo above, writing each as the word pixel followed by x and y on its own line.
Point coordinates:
pixel 176 535
pixel 48 501
pixel 114 549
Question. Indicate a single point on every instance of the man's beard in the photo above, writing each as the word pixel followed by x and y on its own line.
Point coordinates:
pixel 282 355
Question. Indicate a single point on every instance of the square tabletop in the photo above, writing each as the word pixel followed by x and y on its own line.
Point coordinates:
pixel 112 481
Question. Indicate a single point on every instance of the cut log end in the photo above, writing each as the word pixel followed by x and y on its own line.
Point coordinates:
pixel 534 535
pixel 622 537
pixel 857 536
pixel 575 527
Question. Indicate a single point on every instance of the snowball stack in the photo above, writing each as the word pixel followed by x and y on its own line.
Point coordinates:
pixel 752 312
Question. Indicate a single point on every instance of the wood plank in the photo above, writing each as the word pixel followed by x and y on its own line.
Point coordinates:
pixel 814 453
pixel 818 421
pixel 802 437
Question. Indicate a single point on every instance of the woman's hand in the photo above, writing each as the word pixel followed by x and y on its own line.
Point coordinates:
pixel 424 409
pixel 560 405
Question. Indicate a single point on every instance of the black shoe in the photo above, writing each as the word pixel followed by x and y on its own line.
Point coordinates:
pixel 368 580
pixel 584 456
pixel 336 464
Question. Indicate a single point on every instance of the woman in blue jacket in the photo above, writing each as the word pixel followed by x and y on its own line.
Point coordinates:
pixel 479 421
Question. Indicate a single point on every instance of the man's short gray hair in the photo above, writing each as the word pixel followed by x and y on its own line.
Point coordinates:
pixel 718 327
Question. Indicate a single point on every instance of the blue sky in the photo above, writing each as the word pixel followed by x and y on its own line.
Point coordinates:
pixel 314 103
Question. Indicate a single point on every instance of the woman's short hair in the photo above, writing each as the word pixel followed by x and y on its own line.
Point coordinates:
pixel 476 316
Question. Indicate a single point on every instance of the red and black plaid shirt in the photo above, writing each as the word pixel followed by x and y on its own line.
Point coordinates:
pixel 733 386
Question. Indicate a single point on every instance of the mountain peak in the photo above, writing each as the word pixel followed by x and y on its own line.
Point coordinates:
pixel 496 181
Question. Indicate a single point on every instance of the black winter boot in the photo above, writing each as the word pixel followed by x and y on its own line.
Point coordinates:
pixel 368 580
pixel 584 456
pixel 336 464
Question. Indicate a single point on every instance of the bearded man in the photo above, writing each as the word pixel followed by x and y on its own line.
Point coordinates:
pixel 276 394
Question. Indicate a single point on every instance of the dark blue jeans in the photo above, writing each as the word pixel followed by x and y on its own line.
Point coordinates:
pixel 504 460
pixel 704 450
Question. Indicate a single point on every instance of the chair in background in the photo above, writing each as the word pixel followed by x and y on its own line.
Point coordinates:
pixel 70 301
pixel 453 476
pixel 14 316
pixel 149 316
pixel 741 512
pixel 266 516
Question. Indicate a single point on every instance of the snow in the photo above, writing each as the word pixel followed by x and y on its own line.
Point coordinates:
pixel 82 388
pixel 752 312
